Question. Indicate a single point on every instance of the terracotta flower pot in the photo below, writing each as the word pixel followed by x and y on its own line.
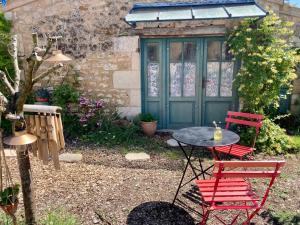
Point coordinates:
pixel 149 128
pixel 10 209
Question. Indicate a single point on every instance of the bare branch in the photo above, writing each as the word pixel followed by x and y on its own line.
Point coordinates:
pixel 46 73
pixel 12 117
pixel 35 39
pixel 3 98
pixel 8 75
pixel 6 82
pixel 16 64
pixel 48 48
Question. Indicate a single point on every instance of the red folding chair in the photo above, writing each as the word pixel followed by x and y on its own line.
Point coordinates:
pixel 246 119
pixel 230 189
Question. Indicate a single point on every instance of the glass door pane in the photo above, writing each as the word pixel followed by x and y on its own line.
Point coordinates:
pixel 153 71
pixel 182 69
pixel 175 69
pixel 219 75
pixel 189 71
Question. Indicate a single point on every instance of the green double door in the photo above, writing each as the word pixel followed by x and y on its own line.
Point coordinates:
pixel 187 81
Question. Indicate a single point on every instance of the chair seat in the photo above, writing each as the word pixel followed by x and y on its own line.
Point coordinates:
pixel 228 191
pixel 235 150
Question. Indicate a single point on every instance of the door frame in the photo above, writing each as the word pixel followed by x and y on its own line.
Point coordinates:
pixel 201 73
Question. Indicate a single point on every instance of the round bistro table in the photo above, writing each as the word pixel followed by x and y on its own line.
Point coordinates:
pixel 202 137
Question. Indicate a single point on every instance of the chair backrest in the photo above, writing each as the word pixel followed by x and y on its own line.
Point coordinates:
pixel 248 169
pixel 246 119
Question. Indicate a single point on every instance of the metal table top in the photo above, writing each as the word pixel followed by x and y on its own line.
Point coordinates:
pixel 204 137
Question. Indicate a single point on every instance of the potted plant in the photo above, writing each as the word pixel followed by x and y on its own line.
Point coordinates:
pixel 9 199
pixel 148 124
pixel 42 96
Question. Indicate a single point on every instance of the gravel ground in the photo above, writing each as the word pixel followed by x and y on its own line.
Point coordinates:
pixel 106 189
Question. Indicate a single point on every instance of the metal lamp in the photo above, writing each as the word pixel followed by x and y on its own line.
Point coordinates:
pixel 20 138
pixel 57 55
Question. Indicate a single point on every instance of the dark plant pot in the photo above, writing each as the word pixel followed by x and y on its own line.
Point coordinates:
pixel 10 209
pixel 149 128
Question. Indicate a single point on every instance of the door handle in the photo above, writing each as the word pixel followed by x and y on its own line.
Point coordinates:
pixel 204 81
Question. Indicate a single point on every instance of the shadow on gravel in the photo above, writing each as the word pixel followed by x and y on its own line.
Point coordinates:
pixel 159 213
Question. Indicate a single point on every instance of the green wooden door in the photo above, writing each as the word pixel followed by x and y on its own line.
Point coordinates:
pixel 183 102
pixel 218 93
pixel 180 79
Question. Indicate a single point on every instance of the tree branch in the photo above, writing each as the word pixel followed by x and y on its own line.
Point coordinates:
pixel 6 82
pixel 16 64
pixel 48 48
pixel 46 73
pixel 35 39
pixel 9 77
pixel 3 98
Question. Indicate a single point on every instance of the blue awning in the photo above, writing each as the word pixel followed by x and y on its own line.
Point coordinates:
pixel 197 10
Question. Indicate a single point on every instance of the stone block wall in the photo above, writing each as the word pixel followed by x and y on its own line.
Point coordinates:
pixel 105 50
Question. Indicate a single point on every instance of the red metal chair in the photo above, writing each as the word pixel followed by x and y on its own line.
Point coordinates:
pixel 230 189
pixel 246 119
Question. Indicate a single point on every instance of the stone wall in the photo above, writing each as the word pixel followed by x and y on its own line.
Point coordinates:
pixel 104 48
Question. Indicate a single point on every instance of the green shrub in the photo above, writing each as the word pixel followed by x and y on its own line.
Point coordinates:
pixel 296 141
pixel 9 195
pixel 56 217
pixel 284 217
pixel 271 140
pixel 112 135
pixel 72 126
pixel 269 60
pixel 64 95
pixel 59 217
pixel 148 117
pixel 94 121
pixel 289 122
pixel 6 62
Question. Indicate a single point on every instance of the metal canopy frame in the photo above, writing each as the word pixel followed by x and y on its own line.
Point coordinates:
pixel 200 10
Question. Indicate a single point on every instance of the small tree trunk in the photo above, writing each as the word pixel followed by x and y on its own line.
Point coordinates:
pixel 25 174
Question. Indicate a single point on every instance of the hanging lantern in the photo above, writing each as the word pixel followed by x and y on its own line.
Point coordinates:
pixel 20 137
pixel 58 56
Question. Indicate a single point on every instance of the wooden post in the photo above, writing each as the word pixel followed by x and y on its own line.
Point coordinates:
pixel 26 181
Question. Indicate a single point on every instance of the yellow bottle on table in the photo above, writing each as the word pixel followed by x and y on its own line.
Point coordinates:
pixel 218 134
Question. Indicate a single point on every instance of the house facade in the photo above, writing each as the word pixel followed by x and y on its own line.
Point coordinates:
pixel 177 68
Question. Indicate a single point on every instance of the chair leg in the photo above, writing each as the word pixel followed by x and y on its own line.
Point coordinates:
pixel 250 217
pixel 205 217
pixel 235 219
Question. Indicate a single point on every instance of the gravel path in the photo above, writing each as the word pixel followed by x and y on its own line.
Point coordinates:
pixel 89 189
pixel 105 189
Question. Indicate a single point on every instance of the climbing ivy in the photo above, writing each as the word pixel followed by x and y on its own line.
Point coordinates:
pixel 268 60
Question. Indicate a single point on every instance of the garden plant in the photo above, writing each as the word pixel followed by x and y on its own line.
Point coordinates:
pixel 268 64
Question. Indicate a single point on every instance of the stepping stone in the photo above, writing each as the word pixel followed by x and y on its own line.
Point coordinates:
pixel 10 153
pixel 174 143
pixel 70 157
pixel 137 156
